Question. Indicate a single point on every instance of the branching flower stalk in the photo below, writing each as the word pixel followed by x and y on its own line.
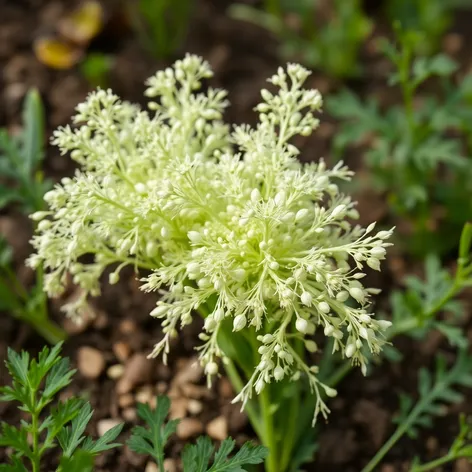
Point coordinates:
pixel 229 224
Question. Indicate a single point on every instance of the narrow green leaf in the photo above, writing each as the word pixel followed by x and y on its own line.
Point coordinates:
pixel 465 244
pixel 105 442
pixel 70 438
pixel 34 130
pixel 16 439
pixel 81 461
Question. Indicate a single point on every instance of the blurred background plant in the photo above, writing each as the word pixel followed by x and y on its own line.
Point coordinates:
pixel 22 184
pixel 321 35
pixel 417 149
pixel 161 25
pixel 96 68
pixel 432 17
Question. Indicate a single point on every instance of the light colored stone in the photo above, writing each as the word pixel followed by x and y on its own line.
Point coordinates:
pixel 194 407
pixel 129 415
pixel 126 400
pixel 151 467
pixel 218 428
pixel 115 371
pixel 146 395
pixel 189 427
pixel 127 326
pixel 137 371
pixel 189 372
pixel 106 424
pixel 90 362
pixel 121 350
pixel 178 408
pixel 170 465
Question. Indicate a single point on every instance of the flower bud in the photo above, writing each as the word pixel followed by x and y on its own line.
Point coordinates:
pixel 239 322
pixel 210 323
pixel 357 294
pixel 324 307
pixel 113 278
pixel 301 214
pixel 194 236
pixel 350 350
pixel 255 195
pixel 211 368
pixel 378 251
pixel 311 346
pixel 338 210
pixel 219 315
pixel 330 391
pixel 306 298
pixel 278 373
pixel 301 325
pixel 384 324
pixel 159 311
pixel 342 296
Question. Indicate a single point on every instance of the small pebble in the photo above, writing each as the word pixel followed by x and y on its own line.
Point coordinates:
pixel 121 350
pixel 115 371
pixel 170 465
pixel 188 371
pixel 129 415
pixel 151 467
pixel 90 362
pixel 137 371
pixel 218 428
pixel 194 407
pixel 106 424
pixel 126 400
pixel 189 427
pixel 127 326
pixel 178 408
pixel 146 395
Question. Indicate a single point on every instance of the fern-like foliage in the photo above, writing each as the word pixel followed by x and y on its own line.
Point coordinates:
pixel 35 384
pixel 460 448
pixel 151 440
pixel 435 392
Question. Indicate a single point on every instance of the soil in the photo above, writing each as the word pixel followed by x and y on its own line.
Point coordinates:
pixel 115 343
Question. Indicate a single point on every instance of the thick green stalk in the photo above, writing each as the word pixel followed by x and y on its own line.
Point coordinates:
pixel 271 462
pixel 49 330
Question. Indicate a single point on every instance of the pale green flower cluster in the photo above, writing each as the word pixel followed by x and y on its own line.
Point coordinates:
pixel 229 223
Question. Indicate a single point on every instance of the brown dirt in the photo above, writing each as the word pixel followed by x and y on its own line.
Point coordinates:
pixel 242 56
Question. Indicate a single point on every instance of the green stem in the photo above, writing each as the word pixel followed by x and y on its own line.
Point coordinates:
pixel 269 431
pixel 238 385
pixel 434 464
pixel 49 330
pixel 292 418
pixel 36 456
pixel 386 447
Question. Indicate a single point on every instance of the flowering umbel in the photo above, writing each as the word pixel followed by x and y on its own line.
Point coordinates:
pixel 228 223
